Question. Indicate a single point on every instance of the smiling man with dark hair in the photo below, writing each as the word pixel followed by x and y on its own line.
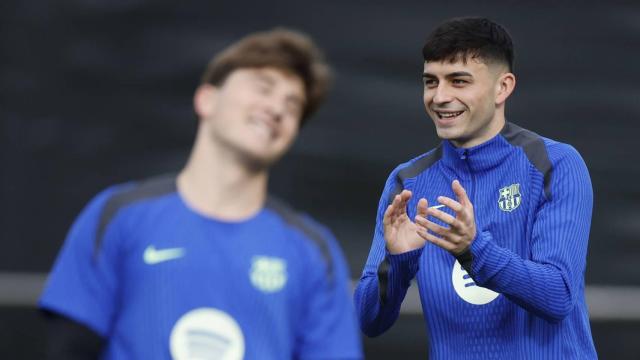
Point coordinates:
pixel 500 260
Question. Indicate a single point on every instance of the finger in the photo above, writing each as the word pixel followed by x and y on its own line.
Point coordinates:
pixel 420 221
pixel 442 216
pixel 450 203
pixel 405 196
pixel 440 242
pixel 435 228
pixel 441 231
pixel 460 192
pixel 388 218
pixel 390 213
pixel 421 210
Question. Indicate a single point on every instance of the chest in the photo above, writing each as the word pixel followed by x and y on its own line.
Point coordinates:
pixel 211 262
pixel 504 205
pixel 504 201
pixel 186 279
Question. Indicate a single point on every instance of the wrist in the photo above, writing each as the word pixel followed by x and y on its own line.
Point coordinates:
pixel 399 250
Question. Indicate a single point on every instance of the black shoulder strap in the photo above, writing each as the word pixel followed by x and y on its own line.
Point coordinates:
pixel 414 170
pixel 292 218
pixel 146 189
pixel 534 148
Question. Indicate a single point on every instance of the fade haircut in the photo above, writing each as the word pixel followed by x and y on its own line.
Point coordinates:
pixel 284 49
pixel 461 38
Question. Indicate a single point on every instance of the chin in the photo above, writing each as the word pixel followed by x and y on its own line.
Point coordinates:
pixel 260 161
pixel 448 133
pixel 257 164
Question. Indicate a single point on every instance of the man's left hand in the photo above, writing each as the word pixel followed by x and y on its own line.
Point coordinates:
pixel 456 238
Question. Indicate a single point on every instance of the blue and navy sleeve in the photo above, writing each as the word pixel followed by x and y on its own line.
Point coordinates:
pixel 328 329
pixel 82 284
pixel 385 278
pixel 549 283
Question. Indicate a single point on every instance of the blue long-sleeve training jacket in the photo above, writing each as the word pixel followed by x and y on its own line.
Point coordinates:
pixel 519 292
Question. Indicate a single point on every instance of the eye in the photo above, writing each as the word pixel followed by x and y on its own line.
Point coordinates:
pixel 459 82
pixel 262 87
pixel 294 108
pixel 430 83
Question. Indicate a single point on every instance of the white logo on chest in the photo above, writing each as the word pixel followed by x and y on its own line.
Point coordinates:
pixel 154 256
pixel 467 289
pixel 509 198
pixel 268 274
pixel 206 333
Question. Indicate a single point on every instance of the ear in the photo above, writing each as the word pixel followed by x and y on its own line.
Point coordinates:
pixel 504 87
pixel 204 100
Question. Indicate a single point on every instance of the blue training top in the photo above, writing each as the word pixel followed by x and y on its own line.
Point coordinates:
pixel 160 281
pixel 523 294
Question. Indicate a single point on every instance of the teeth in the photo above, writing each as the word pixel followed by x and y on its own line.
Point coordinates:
pixel 449 115
pixel 262 127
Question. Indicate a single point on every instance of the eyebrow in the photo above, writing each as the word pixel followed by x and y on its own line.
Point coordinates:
pixel 264 77
pixel 448 76
pixel 294 99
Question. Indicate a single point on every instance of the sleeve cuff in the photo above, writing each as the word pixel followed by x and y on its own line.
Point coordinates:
pixel 488 259
pixel 396 271
pixel 466 260
pixel 477 249
pixel 408 259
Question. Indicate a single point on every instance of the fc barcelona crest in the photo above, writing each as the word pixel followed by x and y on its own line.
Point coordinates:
pixel 268 274
pixel 510 197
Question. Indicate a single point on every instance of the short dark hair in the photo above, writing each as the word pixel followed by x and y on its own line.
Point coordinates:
pixel 460 38
pixel 285 49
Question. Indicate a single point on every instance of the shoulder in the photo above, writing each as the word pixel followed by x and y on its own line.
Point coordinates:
pixel 135 193
pixel 561 152
pixel 550 157
pixel 570 172
pixel 533 145
pixel 313 233
pixel 419 164
pixel 541 151
pixel 106 206
pixel 299 221
pixel 404 173
pixel 139 191
pixel 411 169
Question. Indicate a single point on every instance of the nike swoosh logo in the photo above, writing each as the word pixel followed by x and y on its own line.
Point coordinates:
pixel 153 256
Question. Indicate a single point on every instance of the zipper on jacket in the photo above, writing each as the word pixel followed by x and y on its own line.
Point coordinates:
pixel 472 193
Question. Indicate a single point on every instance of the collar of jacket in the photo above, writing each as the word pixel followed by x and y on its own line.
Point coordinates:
pixel 483 157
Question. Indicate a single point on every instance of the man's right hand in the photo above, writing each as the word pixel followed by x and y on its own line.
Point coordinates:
pixel 400 233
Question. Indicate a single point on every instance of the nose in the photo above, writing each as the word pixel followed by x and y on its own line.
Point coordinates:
pixel 441 94
pixel 275 108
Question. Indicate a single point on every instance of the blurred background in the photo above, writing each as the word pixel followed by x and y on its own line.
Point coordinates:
pixel 96 92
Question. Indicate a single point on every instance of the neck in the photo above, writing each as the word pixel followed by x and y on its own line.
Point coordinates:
pixel 217 184
pixel 483 134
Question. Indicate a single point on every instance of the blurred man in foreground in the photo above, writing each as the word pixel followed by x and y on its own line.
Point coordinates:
pixel 206 265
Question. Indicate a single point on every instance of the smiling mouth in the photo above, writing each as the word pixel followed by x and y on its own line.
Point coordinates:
pixel 263 126
pixel 446 115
